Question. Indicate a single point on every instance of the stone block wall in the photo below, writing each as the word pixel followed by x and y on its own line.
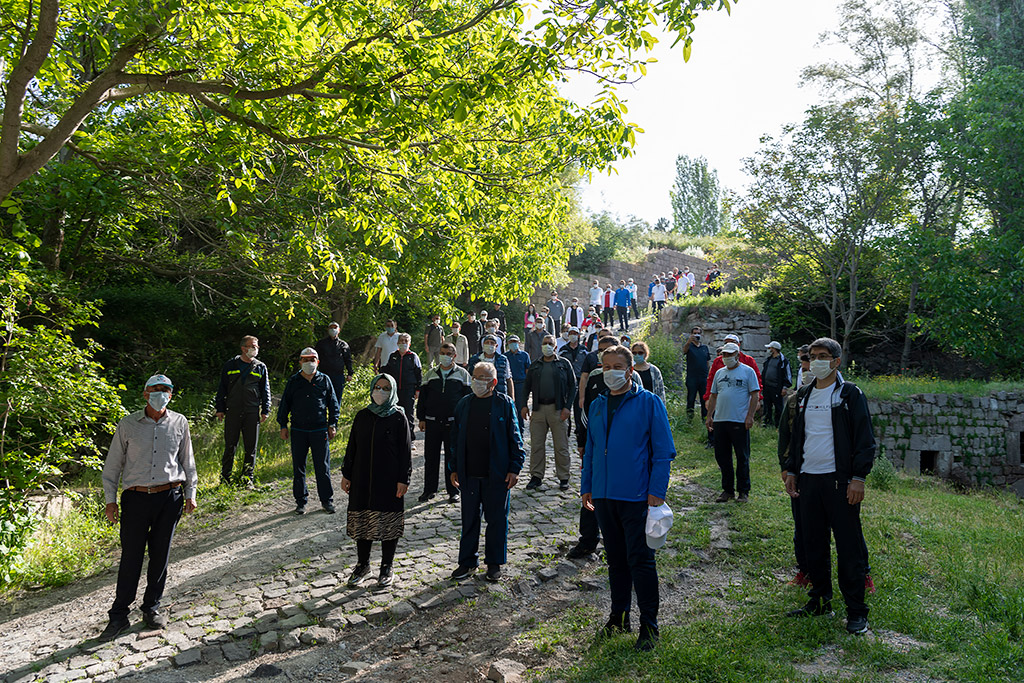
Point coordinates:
pixel 754 329
pixel 973 440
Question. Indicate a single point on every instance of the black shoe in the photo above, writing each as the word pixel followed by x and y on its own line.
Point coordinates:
pixel 454 498
pixel 329 508
pixel 563 484
pixel 493 572
pixel 300 509
pixel 648 638
pixel 580 551
pixel 534 484
pixel 156 621
pixel 617 623
pixel 857 625
pixel 424 497
pixel 813 608
pixel 724 497
pixel 462 572
pixel 742 498
pixel 115 627
pixel 359 573
pixel 386 577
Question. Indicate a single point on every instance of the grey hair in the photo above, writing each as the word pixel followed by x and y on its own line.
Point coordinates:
pixel 829 344
pixel 489 370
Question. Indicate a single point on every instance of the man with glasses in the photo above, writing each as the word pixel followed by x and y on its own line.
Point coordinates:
pixel 243 403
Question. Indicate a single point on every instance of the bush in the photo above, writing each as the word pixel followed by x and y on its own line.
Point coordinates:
pixel 883 474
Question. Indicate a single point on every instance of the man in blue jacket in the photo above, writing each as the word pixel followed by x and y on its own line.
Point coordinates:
pixel 488 457
pixel 622 299
pixel 626 465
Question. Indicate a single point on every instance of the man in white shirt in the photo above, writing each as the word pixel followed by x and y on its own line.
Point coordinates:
pixel 596 294
pixel 691 281
pixel 658 295
pixel 387 344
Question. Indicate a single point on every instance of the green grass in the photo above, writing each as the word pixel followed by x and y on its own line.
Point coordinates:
pixel 735 300
pixel 896 387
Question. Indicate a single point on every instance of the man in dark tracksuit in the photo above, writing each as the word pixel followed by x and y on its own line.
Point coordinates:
pixel 335 359
pixel 777 376
pixel 243 402
pixel 442 388
pixel 831 451
pixel 404 366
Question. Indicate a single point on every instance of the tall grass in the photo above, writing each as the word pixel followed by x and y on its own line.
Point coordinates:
pixel 734 300
pixel 896 387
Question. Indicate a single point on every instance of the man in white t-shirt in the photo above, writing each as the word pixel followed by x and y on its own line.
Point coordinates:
pixel 691 281
pixel 596 294
pixel 387 344
pixel 734 394
pixel 658 294
pixel 830 449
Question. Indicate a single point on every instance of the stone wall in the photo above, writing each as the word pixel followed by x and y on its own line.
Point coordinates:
pixel 613 271
pixel 754 329
pixel 973 440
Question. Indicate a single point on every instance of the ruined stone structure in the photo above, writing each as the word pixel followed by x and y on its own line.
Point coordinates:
pixel 754 329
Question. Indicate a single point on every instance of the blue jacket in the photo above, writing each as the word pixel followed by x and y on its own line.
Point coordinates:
pixel 312 403
pixel 518 362
pixel 507 452
pixel 622 297
pixel 501 366
pixel 631 459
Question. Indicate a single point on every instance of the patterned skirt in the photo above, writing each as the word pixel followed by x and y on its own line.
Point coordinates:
pixel 373 525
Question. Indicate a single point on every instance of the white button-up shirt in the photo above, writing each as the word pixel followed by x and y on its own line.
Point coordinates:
pixel 145 452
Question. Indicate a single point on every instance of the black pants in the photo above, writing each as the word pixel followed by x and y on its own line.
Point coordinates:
pixel 387 551
pixel 438 435
pixel 339 385
pixel 636 313
pixel 590 533
pixel 772 405
pixel 798 537
pixel 623 312
pixel 824 513
pixel 695 390
pixel 631 566
pixel 729 437
pixel 148 521
pixel 406 398
pixel 248 426
pixel 609 316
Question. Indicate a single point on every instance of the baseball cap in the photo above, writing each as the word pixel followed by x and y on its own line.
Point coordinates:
pixel 159 379
pixel 730 348
pixel 309 351
pixel 732 338
pixel 773 345
pixel 659 521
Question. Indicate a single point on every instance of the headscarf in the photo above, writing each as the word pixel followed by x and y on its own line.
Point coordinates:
pixel 389 406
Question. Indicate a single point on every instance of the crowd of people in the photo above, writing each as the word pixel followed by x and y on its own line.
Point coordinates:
pixel 570 371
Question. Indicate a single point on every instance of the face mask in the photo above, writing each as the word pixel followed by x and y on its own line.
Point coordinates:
pixel 380 396
pixel 573 338
pixel 513 347
pixel 332 332
pixel 251 353
pixel 638 359
pixel 614 379
pixel 730 361
pixel 481 386
pixel 446 360
pixel 403 347
pixel 540 322
pixel 390 329
pixel 548 349
pixel 821 368
pixel 565 336
pixel 158 400
pixel 309 367
pixel 489 348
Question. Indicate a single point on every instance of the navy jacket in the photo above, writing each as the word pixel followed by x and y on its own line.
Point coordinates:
pixel 507 452
pixel 312 404
pixel 440 392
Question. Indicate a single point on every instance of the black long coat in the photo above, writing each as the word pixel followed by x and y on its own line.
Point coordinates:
pixel 378 457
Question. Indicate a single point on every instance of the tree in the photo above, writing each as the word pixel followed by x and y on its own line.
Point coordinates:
pixel 695 197
pixel 662 224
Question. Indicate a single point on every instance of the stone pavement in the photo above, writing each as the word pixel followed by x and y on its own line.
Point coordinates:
pixel 269 580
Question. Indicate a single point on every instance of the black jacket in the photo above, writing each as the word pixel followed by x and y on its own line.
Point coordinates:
pixel 244 387
pixel 565 382
pixel 406 370
pixel 852 434
pixel 472 331
pixel 335 356
pixel 780 372
pixel 575 357
pixel 440 392
pixel 312 403
pixel 378 457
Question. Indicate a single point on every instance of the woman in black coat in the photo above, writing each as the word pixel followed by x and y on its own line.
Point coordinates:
pixel 375 475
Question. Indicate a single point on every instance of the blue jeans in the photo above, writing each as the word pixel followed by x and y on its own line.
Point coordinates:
pixel 480 493
pixel 339 385
pixel 630 562
pixel 316 444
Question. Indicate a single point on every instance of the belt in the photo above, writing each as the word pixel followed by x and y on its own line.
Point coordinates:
pixel 155 489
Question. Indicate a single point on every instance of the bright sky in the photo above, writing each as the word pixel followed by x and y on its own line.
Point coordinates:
pixel 741 82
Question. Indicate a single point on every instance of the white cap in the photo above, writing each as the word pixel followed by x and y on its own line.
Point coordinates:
pixel 773 345
pixel 159 379
pixel 732 338
pixel 730 348
pixel 659 521
pixel 309 351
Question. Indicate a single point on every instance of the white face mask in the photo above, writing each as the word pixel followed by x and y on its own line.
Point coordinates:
pixel 403 347
pixel 158 400
pixel 614 379
pixel 309 367
pixel 489 348
pixel 446 360
pixel 380 396
pixel 251 353
pixel 548 349
pixel 480 386
pixel 573 338
pixel 332 332
pixel 821 368
pixel 730 361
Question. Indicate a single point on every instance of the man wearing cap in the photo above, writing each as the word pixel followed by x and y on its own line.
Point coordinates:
pixel 310 400
pixel 404 365
pixel 490 354
pixel 151 456
pixel 518 362
pixel 626 462
pixel 553 384
pixel 778 377
pixel 717 365
pixel 734 391
pixel 243 403
pixel 335 359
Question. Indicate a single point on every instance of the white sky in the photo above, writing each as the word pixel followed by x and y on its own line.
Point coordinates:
pixel 741 82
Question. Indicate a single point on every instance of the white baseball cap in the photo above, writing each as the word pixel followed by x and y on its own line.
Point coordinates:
pixel 773 345
pixel 730 348
pixel 659 521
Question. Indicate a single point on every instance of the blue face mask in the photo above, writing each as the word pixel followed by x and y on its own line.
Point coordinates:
pixel 158 400
pixel 638 359
pixel 513 347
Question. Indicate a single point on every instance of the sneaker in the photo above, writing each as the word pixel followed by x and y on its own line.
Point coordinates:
pixel 156 621
pixel 857 625
pixel 534 484
pixel 300 509
pixel 359 573
pixel 329 508
pixel 724 497
pixel 563 484
pixel 493 572
pixel 617 623
pixel 869 584
pixel 800 580
pixel 742 498
pixel 424 497
pixel 813 608
pixel 648 638
pixel 462 572
pixel 386 577
pixel 454 498
pixel 581 551
pixel 115 627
